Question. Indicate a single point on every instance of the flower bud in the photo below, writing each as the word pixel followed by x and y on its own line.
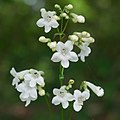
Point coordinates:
pixel 77 18
pixel 78 34
pixel 80 19
pixel 52 45
pixel 57 6
pixel 44 40
pixel 63 15
pixel 85 34
pixel 71 81
pixel 56 17
pixel 74 38
pixel 41 91
pixel 69 7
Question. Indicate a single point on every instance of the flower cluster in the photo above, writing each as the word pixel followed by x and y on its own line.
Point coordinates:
pixel 30 82
pixel 63 96
pixel 64 52
pixel 27 82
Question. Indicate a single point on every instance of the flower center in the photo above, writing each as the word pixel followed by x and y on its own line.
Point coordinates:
pixel 80 99
pixel 49 18
pixel 62 94
pixel 64 51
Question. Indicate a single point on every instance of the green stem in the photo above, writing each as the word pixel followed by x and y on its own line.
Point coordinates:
pixel 62 114
pixel 49 107
pixel 65 26
pixel 70 114
pixel 61 24
pixel 61 75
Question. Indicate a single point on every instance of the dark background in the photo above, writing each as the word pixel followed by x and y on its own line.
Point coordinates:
pixel 19 47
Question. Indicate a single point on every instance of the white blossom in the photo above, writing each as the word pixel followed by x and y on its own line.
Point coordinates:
pixel 28 93
pixel 62 96
pixel 96 89
pixel 64 54
pixel 35 78
pixel 48 21
pixel 77 18
pixel 79 98
pixel 85 51
pixel 17 76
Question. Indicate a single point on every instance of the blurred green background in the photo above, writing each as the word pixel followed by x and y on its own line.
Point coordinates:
pixel 19 47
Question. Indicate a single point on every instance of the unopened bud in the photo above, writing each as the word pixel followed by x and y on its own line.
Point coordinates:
pixel 63 15
pixel 57 6
pixel 56 17
pixel 41 91
pixel 52 45
pixel 80 19
pixel 71 81
pixel 85 34
pixel 73 37
pixel 44 40
pixel 69 7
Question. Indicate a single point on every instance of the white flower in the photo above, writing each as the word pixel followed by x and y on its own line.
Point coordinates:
pixel 79 98
pixel 85 51
pixel 62 96
pixel 18 76
pixel 28 93
pixel 43 39
pixel 96 89
pixel 52 45
pixel 77 18
pixel 64 54
pixel 48 21
pixel 35 78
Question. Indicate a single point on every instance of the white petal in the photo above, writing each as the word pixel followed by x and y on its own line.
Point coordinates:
pixel 43 12
pixel 27 102
pixel 32 83
pixel 40 22
pixel 21 87
pixel 22 74
pixel 69 45
pixel 40 81
pixel 73 57
pixel 15 81
pixel 24 95
pixel 56 57
pixel 33 93
pixel 60 46
pixel 82 57
pixel 56 100
pixel 54 23
pixel 56 91
pixel 13 72
pixel 65 104
pixel 27 76
pixel 47 28
pixel 77 93
pixel 65 63
pixel 96 89
pixel 77 107
pixel 86 94
pixel 69 97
